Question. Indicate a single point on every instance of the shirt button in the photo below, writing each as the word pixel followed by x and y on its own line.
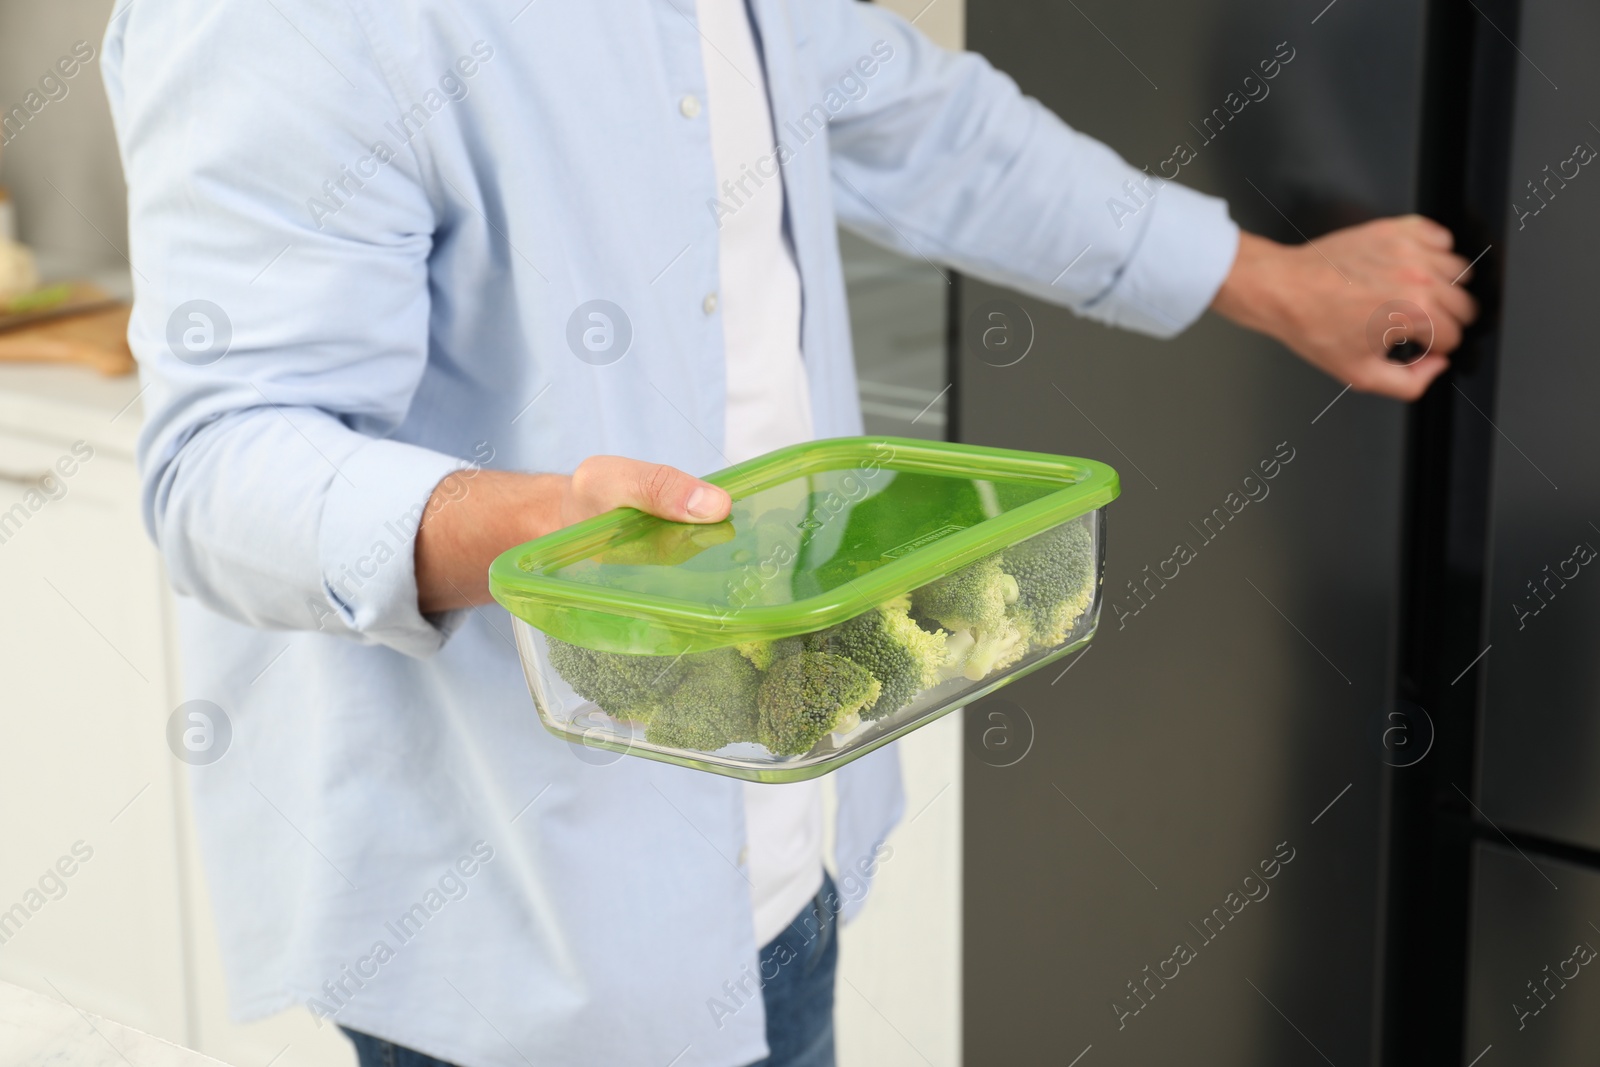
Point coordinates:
pixel 689 106
pixel 709 304
pixel 744 855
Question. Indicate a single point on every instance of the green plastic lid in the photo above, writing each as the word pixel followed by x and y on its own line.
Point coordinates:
pixel 819 533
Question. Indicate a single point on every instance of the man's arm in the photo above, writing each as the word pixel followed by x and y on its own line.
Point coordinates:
pixel 278 348
pixel 941 156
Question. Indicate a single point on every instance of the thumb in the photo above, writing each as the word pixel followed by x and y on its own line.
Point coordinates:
pixel 1409 381
pixel 605 482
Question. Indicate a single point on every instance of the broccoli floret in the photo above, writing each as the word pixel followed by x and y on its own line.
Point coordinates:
pixel 621 685
pixel 957 647
pixel 998 647
pixel 763 654
pixel 902 656
pixel 714 705
pixel 807 696
pixel 976 601
pixel 1055 574
pixel 972 598
pixel 759 653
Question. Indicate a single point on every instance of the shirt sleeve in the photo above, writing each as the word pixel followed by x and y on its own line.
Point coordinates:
pixel 280 236
pixel 940 156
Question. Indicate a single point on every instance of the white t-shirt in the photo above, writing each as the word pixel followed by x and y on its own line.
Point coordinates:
pixel 769 401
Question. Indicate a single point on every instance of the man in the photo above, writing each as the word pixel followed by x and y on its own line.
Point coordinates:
pixel 384 247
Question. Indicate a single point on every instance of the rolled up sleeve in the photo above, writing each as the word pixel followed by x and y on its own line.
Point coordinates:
pixel 942 157
pixel 366 537
pixel 1183 252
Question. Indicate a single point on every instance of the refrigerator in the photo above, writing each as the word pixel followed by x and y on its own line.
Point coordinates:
pixel 1291 807
pixel 1535 844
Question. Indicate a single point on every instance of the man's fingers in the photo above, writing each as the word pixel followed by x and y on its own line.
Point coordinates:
pixel 1457 303
pixel 1446 334
pixel 1421 374
pixel 1402 381
pixel 604 482
pixel 1449 267
pixel 1429 232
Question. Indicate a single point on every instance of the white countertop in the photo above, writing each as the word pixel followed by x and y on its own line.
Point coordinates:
pixel 71 403
pixel 41 1031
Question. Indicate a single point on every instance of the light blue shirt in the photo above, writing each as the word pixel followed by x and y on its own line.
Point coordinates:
pixel 389 214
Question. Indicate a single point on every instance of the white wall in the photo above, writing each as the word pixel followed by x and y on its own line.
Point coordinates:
pixel 62 167
pixel 945 21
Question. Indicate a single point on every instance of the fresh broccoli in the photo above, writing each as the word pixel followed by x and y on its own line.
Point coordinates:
pixel 996 649
pixel 763 654
pixel 789 694
pixel 902 656
pixel 976 601
pixel 714 705
pixel 759 653
pixel 972 598
pixel 621 685
pixel 1055 574
pixel 807 696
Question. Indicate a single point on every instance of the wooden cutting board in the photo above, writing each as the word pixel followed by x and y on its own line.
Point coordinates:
pixel 96 339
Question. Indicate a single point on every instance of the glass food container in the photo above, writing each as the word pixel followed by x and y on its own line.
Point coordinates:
pixel 861 587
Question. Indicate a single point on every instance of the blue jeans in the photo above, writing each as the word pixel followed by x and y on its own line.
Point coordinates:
pixel 796 967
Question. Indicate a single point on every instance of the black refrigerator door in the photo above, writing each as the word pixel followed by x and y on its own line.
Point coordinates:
pixel 1233 714
pixel 1541 748
pixel 1535 992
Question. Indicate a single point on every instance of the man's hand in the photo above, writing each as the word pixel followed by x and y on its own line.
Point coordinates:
pixel 1319 299
pixel 473 516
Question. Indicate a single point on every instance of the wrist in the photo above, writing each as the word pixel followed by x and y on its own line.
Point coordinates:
pixel 1252 295
pixel 473 516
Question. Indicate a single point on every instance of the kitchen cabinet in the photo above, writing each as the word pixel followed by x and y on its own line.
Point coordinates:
pixel 86 778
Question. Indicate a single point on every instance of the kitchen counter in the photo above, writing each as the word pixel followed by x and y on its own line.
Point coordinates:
pixel 41 1031
pixel 71 402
